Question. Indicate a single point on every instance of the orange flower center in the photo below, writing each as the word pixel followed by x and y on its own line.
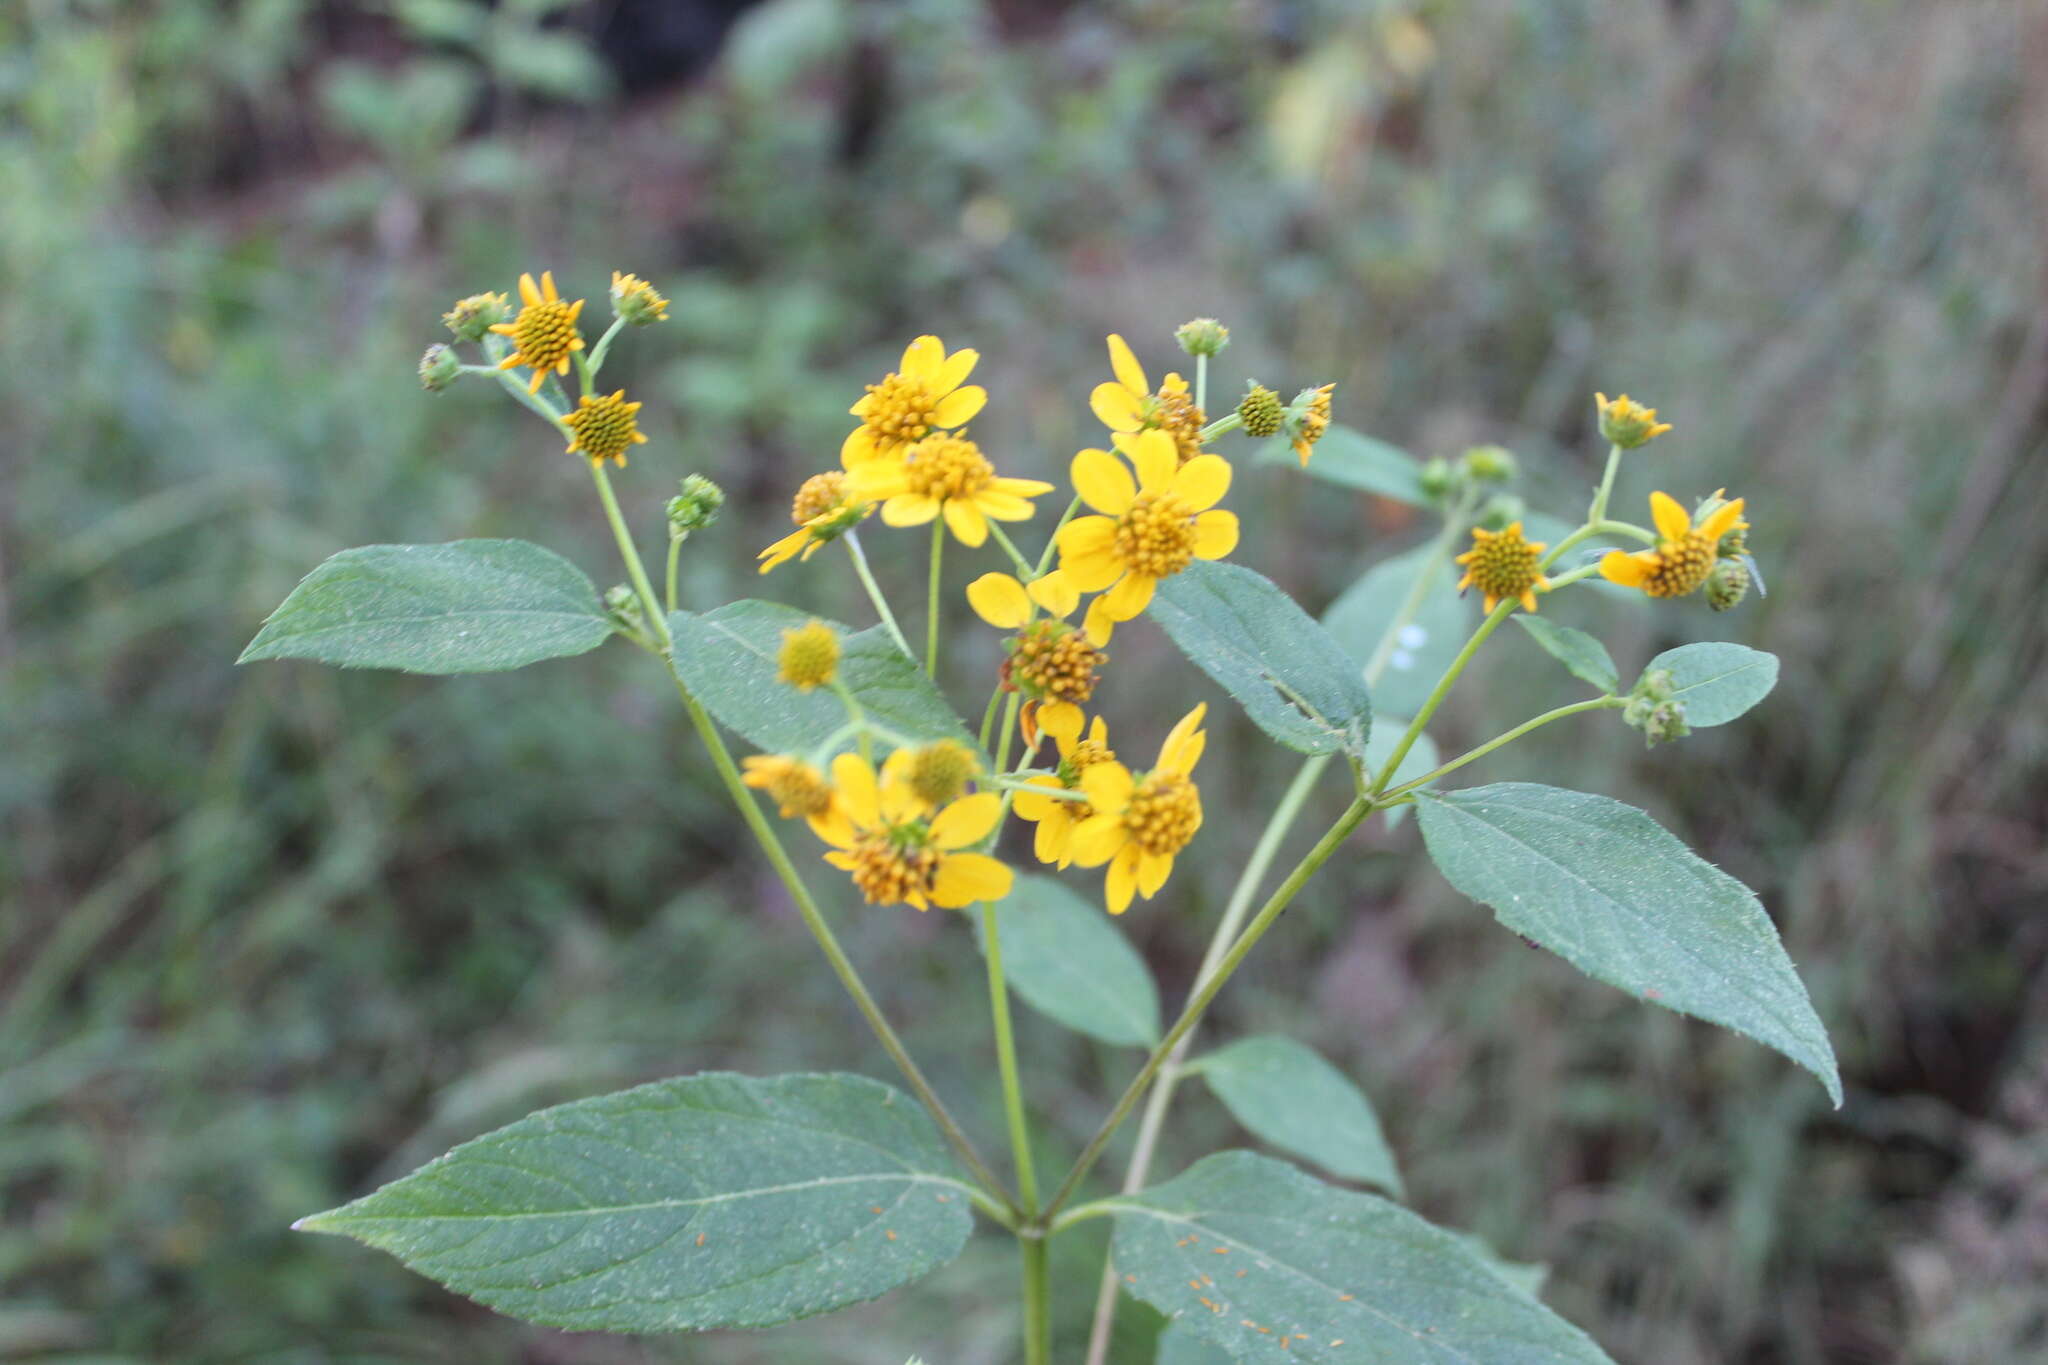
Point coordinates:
pixel 901 409
pixel 1685 565
pixel 604 427
pixel 890 866
pixel 821 493
pixel 799 790
pixel 1080 759
pixel 1504 566
pixel 1050 659
pixel 1156 536
pixel 945 467
pixel 1164 812
pixel 1174 412
pixel 543 332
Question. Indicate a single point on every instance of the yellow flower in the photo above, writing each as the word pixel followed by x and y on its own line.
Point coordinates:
pixel 944 474
pixel 931 775
pixel 1685 552
pixel 1503 565
pixel 1055 818
pixel 809 656
pixel 923 394
pixel 1128 404
pixel 1137 823
pixel 1148 530
pixel 544 334
pixel 604 428
pixel 1309 419
pixel 637 301
pixel 899 854
pixel 1051 663
pixel 798 789
pixel 1628 424
pixel 824 510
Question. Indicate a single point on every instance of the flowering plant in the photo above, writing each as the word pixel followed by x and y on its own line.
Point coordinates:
pixel 722 1200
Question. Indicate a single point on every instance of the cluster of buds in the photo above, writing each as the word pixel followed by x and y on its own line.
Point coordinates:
pixel 622 604
pixel 696 507
pixel 1654 709
pixel 1441 480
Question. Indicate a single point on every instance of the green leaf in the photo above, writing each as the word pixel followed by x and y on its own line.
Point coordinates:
pixel 1289 1095
pixel 1178 1345
pixel 1582 655
pixel 708 1201
pixel 1355 460
pixel 1421 757
pixel 1290 677
pixel 469 606
pixel 1063 955
pixel 1615 894
pixel 727 659
pixel 1292 1269
pixel 1422 649
pixel 1717 681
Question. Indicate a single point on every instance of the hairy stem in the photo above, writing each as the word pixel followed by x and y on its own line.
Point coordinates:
pixel 1509 737
pixel 867 580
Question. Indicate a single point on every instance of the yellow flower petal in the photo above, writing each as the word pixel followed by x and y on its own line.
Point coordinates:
pixel 1177 738
pixel 1215 533
pixel 1097 625
pixel 969 526
pixel 857 448
pixel 529 293
pixel 832 827
pixel 1724 517
pixel 999 600
pixel 1125 366
pixel 1153 870
pixel 1672 522
pixel 1103 483
pixel 998 505
pixel 1131 595
pixel 953 373
pixel 783 550
pixel 922 359
pixel 966 878
pixel 1031 806
pixel 960 406
pixel 1627 569
pixel 1155 456
pixel 854 780
pixel 1055 592
pixel 1108 786
pixel 1203 481
pixel 1061 720
pixel 1115 406
pixel 1121 881
pixel 1096 840
pixel 875 480
pixel 967 821
pixel 1055 831
pixel 909 509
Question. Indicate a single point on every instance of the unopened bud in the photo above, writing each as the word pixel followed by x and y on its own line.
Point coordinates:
pixel 622 604
pixel 696 507
pixel 939 772
pixel 1261 411
pixel 1202 336
pixel 1728 584
pixel 1626 423
pixel 1500 510
pixel 470 318
pixel 1491 464
pixel 439 368
pixel 1436 478
pixel 637 301
pixel 1666 722
pixel 809 657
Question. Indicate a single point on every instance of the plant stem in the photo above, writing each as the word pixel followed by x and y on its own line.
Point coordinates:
pixel 1509 737
pixel 988 717
pixel 867 579
pixel 931 627
pixel 1198 1004
pixel 675 554
pixel 842 966
pixel 1598 511
pixel 1052 541
pixel 1442 689
pixel 1037 1299
pixel 1006 1063
pixel 601 350
pixel 1202 383
pixel 1023 566
pixel 628 552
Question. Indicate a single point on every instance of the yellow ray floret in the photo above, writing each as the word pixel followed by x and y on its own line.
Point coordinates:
pixel 1626 422
pixel 799 790
pixel 944 475
pixel 1056 817
pixel 1684 554
pixel 1139 822
pixel 824 509
pixel 1054 665
pixel 1129 404
pixel 544 334
pixel 924 394
pixel 1503 566
pixel 1149 528
pixel 900 853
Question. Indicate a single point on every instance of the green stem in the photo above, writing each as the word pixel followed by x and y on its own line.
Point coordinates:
pixel 1052 542
pixel 1023 565
pixel 856 718
pixel 988 717
pixel 1037 1300
pixel 532 400
pixel 1228 422
pixel 1598 511
pixel 1202 383
pixel 867 579
pixel 1009 729
pixel 1436 697
pixel 1006 1063
pixel 1418 588
pixel 649 603
pixel 600 351
pixel 1509 737
pixel 675 554
pixel 842 966
pixel 1198 1004
pixel 931 627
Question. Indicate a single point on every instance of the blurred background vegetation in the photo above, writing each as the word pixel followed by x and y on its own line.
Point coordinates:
pixel 274 935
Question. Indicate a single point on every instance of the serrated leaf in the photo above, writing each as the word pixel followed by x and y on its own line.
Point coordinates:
pixel 727 658
pixel 467 606
pixel 1423 648
pixel 714 1200
pixel 1612 892
pixel 1583 656
pixel 1716 680
pixel 1289 1095
pixel 1290 677
pixel 1328 1275
pixel 1355 460
pixel 1065 956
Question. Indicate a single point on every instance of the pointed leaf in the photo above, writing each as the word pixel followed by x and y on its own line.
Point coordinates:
pixel 1424 646
pixel 708 1201
pixel 1065 956
pixel 1612 892
pixel 1716 680
pixel 1583 656
pixel 727 657
pixel 468 606
pixel 1274 1267
pixel 1286 1092
pixel 1355 460
pixel 1290 677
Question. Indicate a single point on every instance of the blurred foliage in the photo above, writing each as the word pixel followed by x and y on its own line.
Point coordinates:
pixel 271 936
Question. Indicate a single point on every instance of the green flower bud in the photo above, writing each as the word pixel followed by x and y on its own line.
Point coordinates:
pixel 696 507
pixel 1261 411
pixel 1728 584
pixel 470 318
pixel 622 604
pixel 439 368
pixel 1501 509
pixel 1202 336
pixel 637 301
pixel 1490 464
pixel 1436 478
pixel 1626 422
